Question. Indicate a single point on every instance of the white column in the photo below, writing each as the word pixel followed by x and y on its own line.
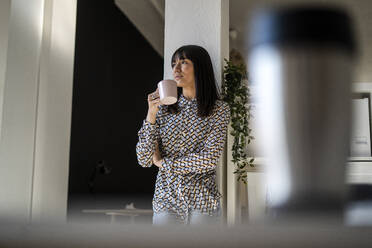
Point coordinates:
pixel 37 93
pixel 204 23
pixel 19 108
pixel 52 145
pixel 4 24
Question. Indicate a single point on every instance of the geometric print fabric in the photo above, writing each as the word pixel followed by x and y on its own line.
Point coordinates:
pixel 190 147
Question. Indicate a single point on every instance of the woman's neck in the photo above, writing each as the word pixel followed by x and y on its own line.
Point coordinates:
pixel 189 93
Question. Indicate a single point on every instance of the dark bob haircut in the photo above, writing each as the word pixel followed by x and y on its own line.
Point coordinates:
pixel 205 82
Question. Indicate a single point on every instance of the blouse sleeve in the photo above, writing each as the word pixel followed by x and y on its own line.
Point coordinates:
pixel 145 147
pixel 208 157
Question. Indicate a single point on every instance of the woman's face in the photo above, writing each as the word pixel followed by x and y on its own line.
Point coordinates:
pixel 183 72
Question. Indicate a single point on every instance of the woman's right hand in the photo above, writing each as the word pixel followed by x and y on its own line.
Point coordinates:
pixel 153 101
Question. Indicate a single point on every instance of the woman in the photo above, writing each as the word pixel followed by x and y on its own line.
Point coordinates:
pixel 185 140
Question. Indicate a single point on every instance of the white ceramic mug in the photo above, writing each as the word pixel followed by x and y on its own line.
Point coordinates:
pixel 167 91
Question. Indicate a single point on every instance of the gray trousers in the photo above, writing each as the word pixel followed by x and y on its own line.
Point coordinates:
pixel 195 218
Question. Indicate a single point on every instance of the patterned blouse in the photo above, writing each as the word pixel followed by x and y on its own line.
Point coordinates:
pixel 190 147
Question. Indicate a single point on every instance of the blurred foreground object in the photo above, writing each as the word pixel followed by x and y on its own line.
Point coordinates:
pixel 113 235
pixel 301 60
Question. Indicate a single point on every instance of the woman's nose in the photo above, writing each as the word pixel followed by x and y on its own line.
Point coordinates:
pixel 177 67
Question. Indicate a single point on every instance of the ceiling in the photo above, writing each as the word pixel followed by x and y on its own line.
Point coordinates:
pixel 148 17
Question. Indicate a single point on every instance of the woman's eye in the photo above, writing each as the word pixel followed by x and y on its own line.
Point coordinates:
pixel 184 62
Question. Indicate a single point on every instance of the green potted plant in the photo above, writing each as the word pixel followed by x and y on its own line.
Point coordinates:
pixel 237 95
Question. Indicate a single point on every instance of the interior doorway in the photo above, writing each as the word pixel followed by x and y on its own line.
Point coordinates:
pixel 115 69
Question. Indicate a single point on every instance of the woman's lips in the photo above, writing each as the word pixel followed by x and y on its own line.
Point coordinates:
pixel 177 77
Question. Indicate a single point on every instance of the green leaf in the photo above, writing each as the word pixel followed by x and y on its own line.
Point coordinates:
pixel 237 95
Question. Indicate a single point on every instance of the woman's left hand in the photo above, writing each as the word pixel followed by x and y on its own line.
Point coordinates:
pixel 156 158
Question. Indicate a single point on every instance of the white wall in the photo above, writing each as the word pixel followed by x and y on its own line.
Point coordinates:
pixel 203 23
pixel 34 145
pixel 4 22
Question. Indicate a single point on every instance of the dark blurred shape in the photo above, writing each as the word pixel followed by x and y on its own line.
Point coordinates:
pixel 360 192
pixel 102 169
pixel 304 25
pixel 359 208
pixel 302 61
